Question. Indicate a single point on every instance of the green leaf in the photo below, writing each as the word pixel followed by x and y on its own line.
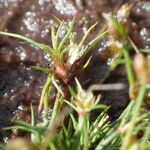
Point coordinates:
pixel 95 41
pixel 66 36
pixel 57 86
pixel 75 123
pixel 41 69
pixel 25 39
pixel 72 91
pixel 70 104
pixel 86 34
pixel 23 126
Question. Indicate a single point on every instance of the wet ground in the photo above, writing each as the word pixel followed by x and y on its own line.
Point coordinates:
pixel 19 84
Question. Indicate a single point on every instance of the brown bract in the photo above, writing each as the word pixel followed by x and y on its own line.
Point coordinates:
pixel 61 72
pixel 142 67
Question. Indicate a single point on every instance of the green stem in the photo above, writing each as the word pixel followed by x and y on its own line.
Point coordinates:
pixel 128 66
pixel 82 130
pixel 44 96
pixel 55 111
pixel 86 129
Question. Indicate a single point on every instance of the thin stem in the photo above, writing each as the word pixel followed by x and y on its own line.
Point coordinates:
pixel 86 34
pixel 85 128
pixel 44 95
pixel 128 66
pixel 55 111
pixel 145 50
pixel 91 44
pixel 133 45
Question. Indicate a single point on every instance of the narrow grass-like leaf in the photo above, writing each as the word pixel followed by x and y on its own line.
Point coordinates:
pixel 58 32
pixel 87 62
pixel 73 94
pixel 66 37
pixel 75 124
pixel 44 91
pixel 133 45
pixel 24 126
pixel 70 104
pixel 99 107
pixel 86 34
pixel 145 50
pixel 128 66
pixel 32 116
pixel 56 110
pixel 41 69
pixel 95 41
pixel 64 24
pixel 25 39
pixel 99 118
pixel 79 87
pixel 57 86
pixel 53 38
pixel 32 122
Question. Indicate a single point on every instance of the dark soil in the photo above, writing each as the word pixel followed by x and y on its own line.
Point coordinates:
pixel 20 85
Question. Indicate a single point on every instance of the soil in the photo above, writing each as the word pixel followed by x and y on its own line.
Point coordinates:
pixel 20 85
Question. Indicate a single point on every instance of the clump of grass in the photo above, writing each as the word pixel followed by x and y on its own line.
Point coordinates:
pixel 69 126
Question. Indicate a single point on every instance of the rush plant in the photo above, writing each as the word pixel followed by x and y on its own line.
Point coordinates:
pixel 69 126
